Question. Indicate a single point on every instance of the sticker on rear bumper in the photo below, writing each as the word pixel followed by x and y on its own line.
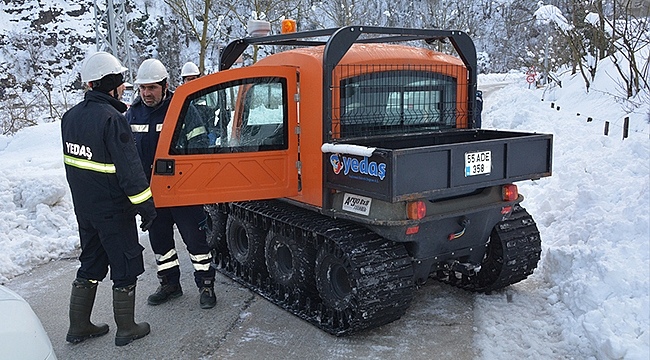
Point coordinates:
pixel 357 204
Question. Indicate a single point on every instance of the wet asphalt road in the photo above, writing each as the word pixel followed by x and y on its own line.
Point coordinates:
pixel 243 325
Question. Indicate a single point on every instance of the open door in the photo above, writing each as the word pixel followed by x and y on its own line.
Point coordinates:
pixel 229 136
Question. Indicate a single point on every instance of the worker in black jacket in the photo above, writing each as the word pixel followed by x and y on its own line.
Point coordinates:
pixel 146 116
pixel 108 187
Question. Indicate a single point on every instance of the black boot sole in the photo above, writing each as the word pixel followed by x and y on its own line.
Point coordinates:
pixel 75 339
pixel 121 341
pixel 208 305
pixel 173 295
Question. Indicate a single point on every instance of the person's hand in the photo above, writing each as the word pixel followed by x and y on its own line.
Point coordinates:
pixel 147 212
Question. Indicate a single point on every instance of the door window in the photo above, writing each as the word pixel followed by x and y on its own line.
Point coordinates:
pixel 246 115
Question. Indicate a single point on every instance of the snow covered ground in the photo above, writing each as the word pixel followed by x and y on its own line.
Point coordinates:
pixel 589 297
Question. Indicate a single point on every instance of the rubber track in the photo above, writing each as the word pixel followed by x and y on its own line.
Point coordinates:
pixel 384 277
pixel 520 252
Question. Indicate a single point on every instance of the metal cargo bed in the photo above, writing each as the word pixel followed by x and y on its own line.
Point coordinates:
pixel 435 165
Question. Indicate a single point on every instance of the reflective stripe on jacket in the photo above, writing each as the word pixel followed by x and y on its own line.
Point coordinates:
pixel 146 123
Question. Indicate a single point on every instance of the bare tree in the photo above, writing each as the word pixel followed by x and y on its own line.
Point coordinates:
pixel 17 112
pixel 630 33
pixel 36 79
pixel 511 23
pixel 342 12
pixel 170 36
pixel 203 21
pixel 333 13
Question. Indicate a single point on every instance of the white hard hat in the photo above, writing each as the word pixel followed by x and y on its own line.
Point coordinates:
pixel 190 69
pixel 99 65
pixel 151 71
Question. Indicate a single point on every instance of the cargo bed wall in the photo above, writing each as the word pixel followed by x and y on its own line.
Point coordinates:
pixel 434 165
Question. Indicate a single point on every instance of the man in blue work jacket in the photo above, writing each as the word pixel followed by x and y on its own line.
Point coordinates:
pixel 146 116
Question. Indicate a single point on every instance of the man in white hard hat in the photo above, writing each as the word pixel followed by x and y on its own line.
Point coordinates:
pixel 108 187
pixel 205 105
pixel 146 116
pixel 189 72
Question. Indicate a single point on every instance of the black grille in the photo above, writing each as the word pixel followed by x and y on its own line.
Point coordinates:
pixel 392 99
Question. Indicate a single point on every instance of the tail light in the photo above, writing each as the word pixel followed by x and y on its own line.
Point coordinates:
pixel 416 210
pixel 510 192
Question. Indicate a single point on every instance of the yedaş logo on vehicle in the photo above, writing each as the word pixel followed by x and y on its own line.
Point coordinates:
pixel 349 164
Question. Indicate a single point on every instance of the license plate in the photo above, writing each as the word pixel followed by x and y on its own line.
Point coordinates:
pixel 477 163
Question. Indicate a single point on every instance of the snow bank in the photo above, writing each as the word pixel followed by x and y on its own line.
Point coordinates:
pixel 589 297
pixel 37 222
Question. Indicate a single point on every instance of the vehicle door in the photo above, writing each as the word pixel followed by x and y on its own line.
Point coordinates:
pixel 229 136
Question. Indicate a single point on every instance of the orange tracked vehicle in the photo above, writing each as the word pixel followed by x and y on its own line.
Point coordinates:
pixel 347 169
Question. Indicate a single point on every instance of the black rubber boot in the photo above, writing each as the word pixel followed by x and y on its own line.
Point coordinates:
pixel 81 305
pixel 124 309
pixel 165 291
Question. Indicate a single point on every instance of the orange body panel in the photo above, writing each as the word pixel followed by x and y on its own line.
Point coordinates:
pixel 225 177
pixel 309 63
pixel 309 118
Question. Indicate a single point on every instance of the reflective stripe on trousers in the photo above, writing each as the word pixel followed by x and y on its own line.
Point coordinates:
pixel 167 261
pixel 201 262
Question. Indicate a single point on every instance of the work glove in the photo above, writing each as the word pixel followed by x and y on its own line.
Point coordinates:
pixel 147 212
